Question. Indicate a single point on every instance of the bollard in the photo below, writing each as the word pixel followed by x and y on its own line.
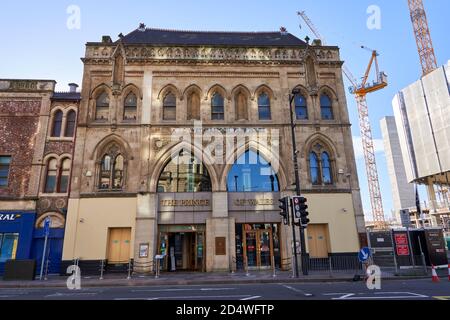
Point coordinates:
pixel 274 272
pixel 157 269
pixel 46 270
pixel 101 269
pixel 129 270
pixel 293 267
pixel 246 267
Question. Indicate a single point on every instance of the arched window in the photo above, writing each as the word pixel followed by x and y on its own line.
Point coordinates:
pixel 130 107
pixel 170 107
pixel 51 176
pixel 193 112
pixel 301 109
pixel 118 172
pixel 112 170
pixel 320 165
pixel 241 104
pixel 264 107
pixel 326 107
pixel 105 172
pixel 326 169
pixel 217 107
pixel 71 122
pixel 184 173
pixel 57 123
pixel 314 167
pixel 64 176
pixel 252 173
pixel 102 107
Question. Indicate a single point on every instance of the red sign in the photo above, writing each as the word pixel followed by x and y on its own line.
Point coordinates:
pixel 401 239
pixel 402 250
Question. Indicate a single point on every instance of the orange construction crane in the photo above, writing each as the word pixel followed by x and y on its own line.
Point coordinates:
pixel 360 91
pixel 423 37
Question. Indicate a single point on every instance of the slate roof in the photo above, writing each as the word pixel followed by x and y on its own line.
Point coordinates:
pixel 66 96
pixel 211 38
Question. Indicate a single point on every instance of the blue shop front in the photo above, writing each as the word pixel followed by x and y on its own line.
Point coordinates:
pixel 20 240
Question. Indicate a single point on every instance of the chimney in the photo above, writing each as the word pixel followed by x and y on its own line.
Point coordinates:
pixel 73 87
pixel 106 39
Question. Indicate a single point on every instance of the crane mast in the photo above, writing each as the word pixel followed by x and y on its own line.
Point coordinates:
pixel 423 37
pixel 360 92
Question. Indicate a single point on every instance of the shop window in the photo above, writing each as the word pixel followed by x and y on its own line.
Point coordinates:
pixel 184 173
pixel 102 107
pixel 264 107
pixel 51 176
pixel 193 106
pixel 5 162
pixel 252 173
pixel 170 107
pixel 301 109
pixel 326 107
pixel 71 123
pixel 57 123
pixel 130 107
pixel 8 246
pixel 217 107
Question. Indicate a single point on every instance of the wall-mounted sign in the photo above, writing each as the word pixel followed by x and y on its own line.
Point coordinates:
pixel 181 202
pixel 221 249
pixel 401 244
pixel 253 201
pixel 143 250
pixel 9 217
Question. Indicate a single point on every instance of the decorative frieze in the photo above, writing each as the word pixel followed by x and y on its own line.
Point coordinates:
pixel 139 54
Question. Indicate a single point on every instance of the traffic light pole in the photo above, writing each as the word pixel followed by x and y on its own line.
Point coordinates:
pixel 294 237
pixel 297 188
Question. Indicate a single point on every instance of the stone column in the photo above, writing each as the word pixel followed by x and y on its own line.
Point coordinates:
pixel 218 226
pixel 146 231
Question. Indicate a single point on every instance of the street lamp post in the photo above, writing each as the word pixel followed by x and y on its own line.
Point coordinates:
pixel 297 181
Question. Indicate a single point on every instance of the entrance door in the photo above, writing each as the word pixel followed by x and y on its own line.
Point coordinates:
pixel 258 248
pixel 184 251
pixel 318 240
pixel 119 245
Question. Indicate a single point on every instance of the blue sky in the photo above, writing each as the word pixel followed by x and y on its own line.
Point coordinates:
pixel 37 44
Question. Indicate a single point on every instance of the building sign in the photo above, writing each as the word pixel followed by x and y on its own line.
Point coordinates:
pixel 179 202
pixel 253 201
pixel 221 246
pixel 143 250
pixel 9 217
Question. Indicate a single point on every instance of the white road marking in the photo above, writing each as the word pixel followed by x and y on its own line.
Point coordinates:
pixel 189 297
pixel 298 291
pixel 378 295
pixel 251 298
pixel 175 290
pixel 58 294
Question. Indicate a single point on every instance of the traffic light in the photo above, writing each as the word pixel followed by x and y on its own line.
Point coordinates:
pixel 284 206
pixel 300 212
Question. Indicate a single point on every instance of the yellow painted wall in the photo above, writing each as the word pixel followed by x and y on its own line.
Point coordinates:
pixel 88 239
pixel 328 209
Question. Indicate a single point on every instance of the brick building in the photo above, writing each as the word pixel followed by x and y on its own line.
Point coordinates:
pixel 37 129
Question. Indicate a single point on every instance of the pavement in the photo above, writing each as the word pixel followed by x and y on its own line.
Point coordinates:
pixel 182 278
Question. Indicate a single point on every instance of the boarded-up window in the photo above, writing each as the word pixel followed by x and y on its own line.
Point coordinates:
pixel 241 106
pixel 193 106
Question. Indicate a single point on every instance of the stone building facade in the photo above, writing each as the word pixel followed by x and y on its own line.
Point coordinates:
pixel 37 130
pixel 158 98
